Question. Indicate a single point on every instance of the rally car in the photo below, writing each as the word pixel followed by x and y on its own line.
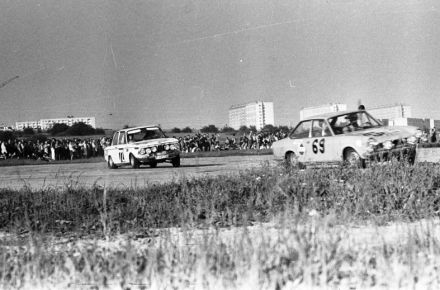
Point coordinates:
pixel 141 145
pixel 352 137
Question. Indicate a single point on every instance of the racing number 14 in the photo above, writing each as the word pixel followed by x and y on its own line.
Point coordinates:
pixel 318 146
pixel 121 156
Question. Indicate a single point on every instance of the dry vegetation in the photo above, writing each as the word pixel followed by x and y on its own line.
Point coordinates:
pixel 270 228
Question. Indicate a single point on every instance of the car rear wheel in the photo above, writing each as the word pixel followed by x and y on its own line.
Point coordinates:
pixel 111 164
pixel 353 159
pixel 134 162
pixel 176 162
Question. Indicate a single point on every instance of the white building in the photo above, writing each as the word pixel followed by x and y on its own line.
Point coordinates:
pixel 45 124
pixel 391 112
pixel 308 112
pixel 258 114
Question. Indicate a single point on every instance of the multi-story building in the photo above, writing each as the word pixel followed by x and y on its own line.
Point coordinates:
pixel 45 124
pixel 391 112
pixel 258 114
pixel 318 110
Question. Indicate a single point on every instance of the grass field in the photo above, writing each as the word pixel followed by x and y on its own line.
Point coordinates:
pixel 267 228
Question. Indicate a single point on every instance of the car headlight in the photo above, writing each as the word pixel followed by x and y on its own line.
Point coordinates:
pixel 388 144
pixel 154 149
pixel 167 147
pixel 412 140
pixel 173 147
pixel 371 144
pixel 142 151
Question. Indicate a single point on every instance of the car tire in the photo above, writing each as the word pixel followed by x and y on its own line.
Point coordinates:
pixel 153 164
pixel 353 159
pixel 134 162
pixel 175 162
pixel 292 161
pixel 111 164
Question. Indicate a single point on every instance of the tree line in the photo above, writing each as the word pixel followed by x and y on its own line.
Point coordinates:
pixel 58 130
pixel 226 129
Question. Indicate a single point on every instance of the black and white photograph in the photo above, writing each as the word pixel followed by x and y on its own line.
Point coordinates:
pixel 219 144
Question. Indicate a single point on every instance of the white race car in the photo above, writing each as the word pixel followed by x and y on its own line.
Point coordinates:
pixel 352 137
pixel 141 145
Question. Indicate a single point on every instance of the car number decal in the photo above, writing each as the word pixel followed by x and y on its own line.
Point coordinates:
pixel 318 146
pixel 121 156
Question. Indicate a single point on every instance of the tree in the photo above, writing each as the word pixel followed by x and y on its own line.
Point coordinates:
pixel 99 131
pixel 187 130
pixel 80 129
pixel 209 129
pixel 7 135
pixel 176 130
pixel 283 128
pixel 28 131
pixel 253 129
pixel 269 128
pixel 228 129
pixel 243 130
pixel 58 128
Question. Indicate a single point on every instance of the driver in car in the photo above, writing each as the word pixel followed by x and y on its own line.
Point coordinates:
pixel 352 125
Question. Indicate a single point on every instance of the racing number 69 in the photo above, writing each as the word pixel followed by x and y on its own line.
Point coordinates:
pixel 318 146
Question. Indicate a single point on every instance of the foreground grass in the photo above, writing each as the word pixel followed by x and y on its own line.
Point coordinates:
pixel 204 234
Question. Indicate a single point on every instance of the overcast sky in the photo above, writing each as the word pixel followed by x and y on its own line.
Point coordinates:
pixel 185 62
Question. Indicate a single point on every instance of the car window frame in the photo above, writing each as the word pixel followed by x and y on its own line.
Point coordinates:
pixel 117 139
pixel 299 124
pixel 124 138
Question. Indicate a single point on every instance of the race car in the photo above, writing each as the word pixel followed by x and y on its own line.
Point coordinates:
pixel 352 137
pixel 141 145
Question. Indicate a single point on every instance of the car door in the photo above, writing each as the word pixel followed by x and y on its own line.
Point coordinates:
pixel 300 137
pixel 322 141
pixel 112 150
pixel 121 148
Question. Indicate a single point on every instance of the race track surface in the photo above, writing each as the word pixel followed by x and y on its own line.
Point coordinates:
pixel 85 174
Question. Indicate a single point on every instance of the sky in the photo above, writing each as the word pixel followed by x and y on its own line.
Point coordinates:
pixel 183 63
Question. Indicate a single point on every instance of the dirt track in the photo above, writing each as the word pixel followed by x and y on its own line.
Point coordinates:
pixel 39 176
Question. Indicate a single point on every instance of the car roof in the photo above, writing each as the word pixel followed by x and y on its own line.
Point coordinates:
pixel 330 115
pixel 138 127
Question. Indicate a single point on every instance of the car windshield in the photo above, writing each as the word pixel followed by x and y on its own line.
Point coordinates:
pixel 142 134
pixel 351 122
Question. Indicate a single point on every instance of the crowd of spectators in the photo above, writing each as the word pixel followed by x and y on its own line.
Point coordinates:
pixel 75 148
pixel 213 142
pixel 53 149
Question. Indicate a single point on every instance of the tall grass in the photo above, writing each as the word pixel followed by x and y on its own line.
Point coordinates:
pixel 206 233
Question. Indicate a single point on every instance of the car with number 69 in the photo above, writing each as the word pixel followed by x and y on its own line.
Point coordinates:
pixel 142 145
pixel 352 137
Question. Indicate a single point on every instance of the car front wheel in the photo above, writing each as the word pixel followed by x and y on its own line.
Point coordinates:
pixel 134 162
pixel 111 164
pixel 292 160
pixel 176 162
pixel 353 159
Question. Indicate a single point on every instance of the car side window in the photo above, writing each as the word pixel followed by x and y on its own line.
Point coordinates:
pixel 302 130
pixel 122 138
pixel 317 128
pixel 115 139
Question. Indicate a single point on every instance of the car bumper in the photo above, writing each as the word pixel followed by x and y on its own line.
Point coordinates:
pixel 159 157
pixel 400 153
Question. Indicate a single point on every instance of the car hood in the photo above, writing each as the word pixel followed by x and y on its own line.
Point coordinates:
pixel 156 142
pixel 387 132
